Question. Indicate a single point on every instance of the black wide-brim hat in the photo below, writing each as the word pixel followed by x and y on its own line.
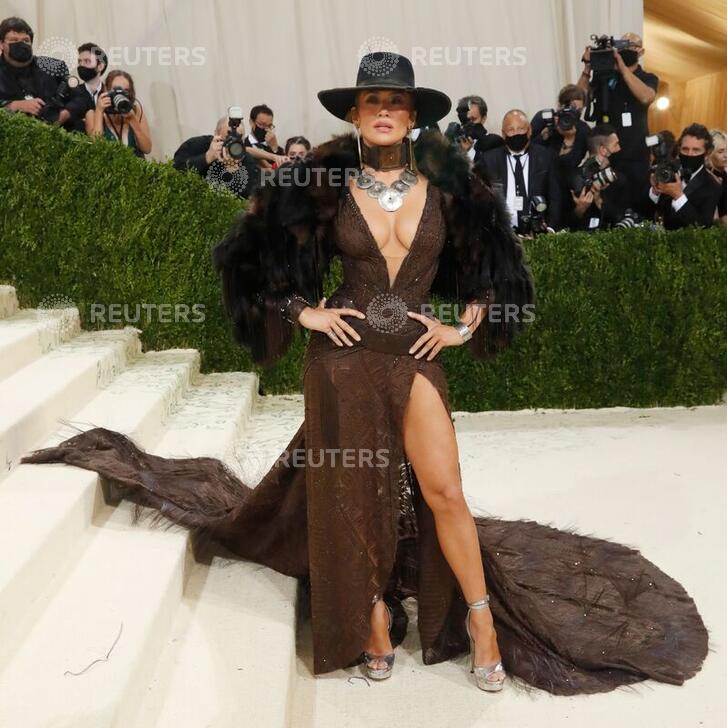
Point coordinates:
pixel 387 70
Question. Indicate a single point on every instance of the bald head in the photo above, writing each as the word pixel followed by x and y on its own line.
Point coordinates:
pixel 633 38
pixel 515 122
pixel 221 127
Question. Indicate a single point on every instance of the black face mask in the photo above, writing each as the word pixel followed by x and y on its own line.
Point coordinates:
pixel 21 51
pixel 691 164
pixel 259 133
pixel 629 56
pixel 85 73
pixel 614 157
pixel 516 142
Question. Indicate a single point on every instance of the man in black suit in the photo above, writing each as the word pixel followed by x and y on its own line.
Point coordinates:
pixel 472 114
pixel 92 65
pixel 693 196
pixel 521 170
pixel 30 83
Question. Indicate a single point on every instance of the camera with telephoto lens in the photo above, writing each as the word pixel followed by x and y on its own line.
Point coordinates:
pixel 561 119
pixel 630 219
pixel 665 167
pixel 534 219
pixel 233 141
pixel 591 172
pixel 121 102
pixel 602 59
pixel 57 102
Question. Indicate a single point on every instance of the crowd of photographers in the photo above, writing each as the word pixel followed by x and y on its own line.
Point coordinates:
pixel 555 170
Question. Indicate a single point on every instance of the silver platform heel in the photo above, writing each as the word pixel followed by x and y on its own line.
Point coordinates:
pixel 380 673
pixel 482 673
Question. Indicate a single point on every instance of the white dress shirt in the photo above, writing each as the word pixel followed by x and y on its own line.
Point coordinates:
pixel 510 198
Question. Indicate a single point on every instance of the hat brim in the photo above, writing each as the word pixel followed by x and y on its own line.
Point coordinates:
pixel 431 105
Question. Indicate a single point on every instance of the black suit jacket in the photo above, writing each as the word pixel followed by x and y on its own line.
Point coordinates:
pixel 39 80
pixel 703 193
pixel 542 178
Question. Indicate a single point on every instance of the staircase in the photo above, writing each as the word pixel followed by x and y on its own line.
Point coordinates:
pixel 105 623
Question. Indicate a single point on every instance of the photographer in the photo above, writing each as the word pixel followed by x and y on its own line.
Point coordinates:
pixel 621 92
pixel 119 116
pixel 471 133
pixel 562 130
pixel 565 135
pixel 200 151
pixel 522 171
pixel 262 132
pixel 92 64
pixel 34 85
pixel 597 192
pixel 686 193
pixel 221 157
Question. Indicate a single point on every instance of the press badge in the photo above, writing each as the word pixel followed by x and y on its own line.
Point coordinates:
pixel 518 204
pixel 593 223
pixel 626 118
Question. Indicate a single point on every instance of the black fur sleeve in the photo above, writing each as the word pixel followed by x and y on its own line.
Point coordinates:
pixel 270 263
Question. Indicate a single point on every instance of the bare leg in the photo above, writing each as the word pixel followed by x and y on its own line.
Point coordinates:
pixel 431 446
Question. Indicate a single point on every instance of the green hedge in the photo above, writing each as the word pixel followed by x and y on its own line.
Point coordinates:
pixel 632 318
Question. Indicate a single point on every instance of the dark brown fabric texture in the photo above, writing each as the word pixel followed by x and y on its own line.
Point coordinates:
pixel 574 614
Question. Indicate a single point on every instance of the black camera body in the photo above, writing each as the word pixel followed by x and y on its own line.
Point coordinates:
pixel 63 93
pixel 233 141
pixel 665 167
pixel 533 219
pixel 602 60
pixel 121 102
pixel 591 172
pixel 456 132
pixel 563 119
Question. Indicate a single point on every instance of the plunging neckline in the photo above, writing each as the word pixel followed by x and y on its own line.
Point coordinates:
pixel 372 239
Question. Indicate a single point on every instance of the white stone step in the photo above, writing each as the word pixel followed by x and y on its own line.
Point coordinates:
pixel 58 384
pixel 55 503
pixel 230 657
pixel 28 334
pixel 130 576
pixel 8 301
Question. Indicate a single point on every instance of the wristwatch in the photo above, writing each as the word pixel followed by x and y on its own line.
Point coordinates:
pixel 464 330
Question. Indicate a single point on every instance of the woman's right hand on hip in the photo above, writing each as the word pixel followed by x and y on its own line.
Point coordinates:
pixel 329 322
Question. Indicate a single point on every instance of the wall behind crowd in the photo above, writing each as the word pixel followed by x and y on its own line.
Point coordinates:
pixel 191 59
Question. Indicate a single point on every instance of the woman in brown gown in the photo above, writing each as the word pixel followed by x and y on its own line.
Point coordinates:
pixel 365 504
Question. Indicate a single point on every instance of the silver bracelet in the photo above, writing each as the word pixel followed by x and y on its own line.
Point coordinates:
pixel 464 330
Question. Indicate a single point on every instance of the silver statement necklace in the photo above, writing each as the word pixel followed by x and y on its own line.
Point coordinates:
pixel 390 197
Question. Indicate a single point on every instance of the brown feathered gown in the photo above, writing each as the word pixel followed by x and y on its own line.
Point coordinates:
pixel 574 614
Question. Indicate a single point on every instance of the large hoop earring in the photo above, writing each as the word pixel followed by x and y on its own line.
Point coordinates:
pixel 412 158
pixel 358 144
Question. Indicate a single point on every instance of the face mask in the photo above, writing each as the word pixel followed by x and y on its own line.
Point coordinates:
pixel 629 56
pixel 614 157
pixel 259 133
pixel 85 73
pixel 516 142
pixel 691 164
pixel 21 51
